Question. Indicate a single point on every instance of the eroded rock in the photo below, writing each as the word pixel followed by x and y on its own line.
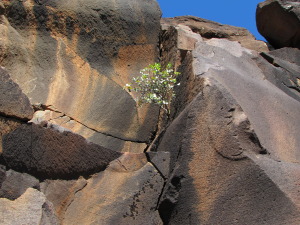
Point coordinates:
pixel 279 22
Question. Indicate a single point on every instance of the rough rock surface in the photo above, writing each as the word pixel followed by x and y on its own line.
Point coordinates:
pixel 13 102
pixel 209 29
pixel 15 184
pixel 58 119
pixel 31 208
pixel 77 55
pixel 279 22
pixel 48 153
pixel 127 192
pixel 233 130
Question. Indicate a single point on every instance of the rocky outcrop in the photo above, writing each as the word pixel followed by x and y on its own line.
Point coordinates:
pixel 48 153
pixel 279 22
pixel 227 142
pixel 209 29
pixel 76 56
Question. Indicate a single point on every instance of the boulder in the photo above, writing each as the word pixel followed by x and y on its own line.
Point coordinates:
pixel 76 56
pixel 233 142
pixel 31 208
pixel 13 102
pixel 127 192
pixel 282 68
pixel 209 29
pixel 15 184
pixel 48 153
pixel 279 22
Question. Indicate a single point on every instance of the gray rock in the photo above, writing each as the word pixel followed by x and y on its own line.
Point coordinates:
pixel 47 153
pixel 161 161
pixel 31 208
pixel 13 102
pixel 278 21
pixel 15 184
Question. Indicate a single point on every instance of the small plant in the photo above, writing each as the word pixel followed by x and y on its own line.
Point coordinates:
pixel 155 85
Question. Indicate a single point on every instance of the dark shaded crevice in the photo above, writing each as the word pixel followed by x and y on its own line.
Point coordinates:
pixel 20 119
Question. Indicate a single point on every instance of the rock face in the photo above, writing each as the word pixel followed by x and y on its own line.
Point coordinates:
pixel 227 140
pixel 229 153
pixel 48 153
pixel 279 22
pixel 76 56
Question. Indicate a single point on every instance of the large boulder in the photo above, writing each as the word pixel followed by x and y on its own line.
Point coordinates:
pixel 279 22
pixel 234 140
pixel 49 153
pixel 76 56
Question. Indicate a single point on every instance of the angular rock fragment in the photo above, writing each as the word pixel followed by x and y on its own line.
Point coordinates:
pixel 13 102
pixel 279 22
pixel 15 184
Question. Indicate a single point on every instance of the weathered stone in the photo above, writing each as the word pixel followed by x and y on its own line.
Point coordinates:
pixel 49 118
pixel 161 161
pixel 31 208
pixel 61 193
pixel 279 22
pixel 15 184
pixel 126 192
pixel 282 68
pixel 47 153
pixel 13 102
pixel 77 55
pixel 209 29
pixel 226 141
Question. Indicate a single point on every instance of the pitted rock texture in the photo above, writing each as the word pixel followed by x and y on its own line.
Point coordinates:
pixel 279 22
pixel 48 153
pixel 209 29
pixel 77 55
pixel 13 102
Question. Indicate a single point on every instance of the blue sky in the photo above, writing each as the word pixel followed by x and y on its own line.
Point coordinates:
pixel 239 13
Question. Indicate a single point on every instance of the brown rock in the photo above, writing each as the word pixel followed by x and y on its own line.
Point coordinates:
pixel 279 22
pixel 83 53
pixel 31 208
pixel 209 29
pixel 47 153
pixel 229 140
pixel 126 192
pixel 61 193
pixel 13 102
